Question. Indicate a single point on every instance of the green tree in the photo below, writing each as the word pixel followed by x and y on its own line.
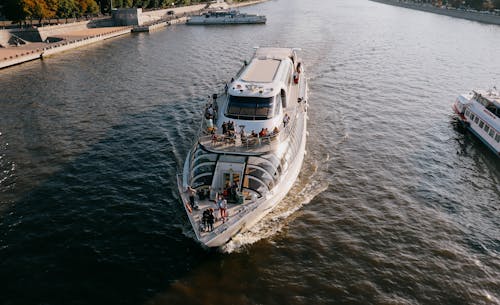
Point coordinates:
pixel 52 7
pixel 85 7
pixel 14 10
pixel 66 9
pixel 92 7
pixel 35 9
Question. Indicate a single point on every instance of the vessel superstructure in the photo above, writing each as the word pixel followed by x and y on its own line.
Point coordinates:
pixel 479 111
pixel 225 17
pixel 250 148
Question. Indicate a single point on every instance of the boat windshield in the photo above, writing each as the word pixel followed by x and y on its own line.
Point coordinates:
pixel 250 108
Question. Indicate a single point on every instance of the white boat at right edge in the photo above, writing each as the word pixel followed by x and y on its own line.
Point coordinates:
pixel 479 111
pixel 255 162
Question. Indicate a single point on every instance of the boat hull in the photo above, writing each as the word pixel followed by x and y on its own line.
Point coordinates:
pixel 226 21
pixel 472 125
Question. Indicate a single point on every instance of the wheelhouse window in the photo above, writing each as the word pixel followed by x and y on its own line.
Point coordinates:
pixel 250 108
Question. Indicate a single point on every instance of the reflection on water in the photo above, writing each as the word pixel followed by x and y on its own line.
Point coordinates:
pixel 394 204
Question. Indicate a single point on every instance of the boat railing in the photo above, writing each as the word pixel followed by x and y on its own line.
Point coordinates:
pixel 211 139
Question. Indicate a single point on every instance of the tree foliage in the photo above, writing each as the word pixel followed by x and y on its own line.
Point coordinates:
pixel 66 9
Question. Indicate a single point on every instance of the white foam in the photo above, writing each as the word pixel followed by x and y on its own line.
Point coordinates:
pixel 308 185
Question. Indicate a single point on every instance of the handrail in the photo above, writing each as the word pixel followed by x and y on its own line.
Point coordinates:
pixel 238 144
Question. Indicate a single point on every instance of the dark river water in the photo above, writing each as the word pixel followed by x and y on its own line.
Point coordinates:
pixel 395 204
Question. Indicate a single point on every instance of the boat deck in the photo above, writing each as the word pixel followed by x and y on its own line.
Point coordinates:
pixel 232 210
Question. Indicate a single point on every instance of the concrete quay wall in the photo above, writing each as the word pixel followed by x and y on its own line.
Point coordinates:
pixel 39 53
pixel 39 34
pixel 474 16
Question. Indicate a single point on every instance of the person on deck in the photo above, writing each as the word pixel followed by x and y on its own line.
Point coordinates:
pixel 222 204
pixel 210 219
pixel 286 119
pixel 191 192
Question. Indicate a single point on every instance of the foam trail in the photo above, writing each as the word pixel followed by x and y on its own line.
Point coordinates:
pixel 308 185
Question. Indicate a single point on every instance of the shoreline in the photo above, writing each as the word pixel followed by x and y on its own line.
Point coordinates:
pixel 473 16
pixel 78 37
pixel 13 56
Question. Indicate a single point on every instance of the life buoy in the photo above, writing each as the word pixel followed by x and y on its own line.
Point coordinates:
pixel 188 207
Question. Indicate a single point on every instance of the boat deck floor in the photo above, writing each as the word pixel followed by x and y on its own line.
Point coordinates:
pixel 233 209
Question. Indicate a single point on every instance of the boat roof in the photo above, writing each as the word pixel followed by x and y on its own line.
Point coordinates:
pixel 261 71
pixel 266 73
pixel 491 95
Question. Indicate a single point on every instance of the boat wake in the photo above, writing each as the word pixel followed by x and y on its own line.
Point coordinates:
pixel 309 184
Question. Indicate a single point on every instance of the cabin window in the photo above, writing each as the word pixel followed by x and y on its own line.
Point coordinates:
pixel 467 113
pixel 491 133
pixel 476 120
pixel 497 137
pixel 481 124
pixel 278 105
pixel 202 179
pixel 250 108
pixel 486 128
pixel 263 164
pixel 255 184
pixel 260 174
pixel 289 75
pixel 204 168
pixel 472 116
pixel 283 98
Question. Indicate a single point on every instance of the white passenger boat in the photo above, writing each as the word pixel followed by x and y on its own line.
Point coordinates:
pixel 226 17
pixel 479 111
pixel 252 169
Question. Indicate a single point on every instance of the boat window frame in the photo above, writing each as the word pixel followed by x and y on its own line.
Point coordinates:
pixel 251 166
pixel 250 177
pixel 269 163
pixel 200 176
pixel 208 164
pixel 251 100
pixel 491 133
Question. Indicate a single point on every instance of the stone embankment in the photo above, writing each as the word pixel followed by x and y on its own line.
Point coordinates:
pixel 68 40
pixel 474 16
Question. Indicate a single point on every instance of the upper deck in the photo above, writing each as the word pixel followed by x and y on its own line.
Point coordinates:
pixel 266 92
pixel 246 143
